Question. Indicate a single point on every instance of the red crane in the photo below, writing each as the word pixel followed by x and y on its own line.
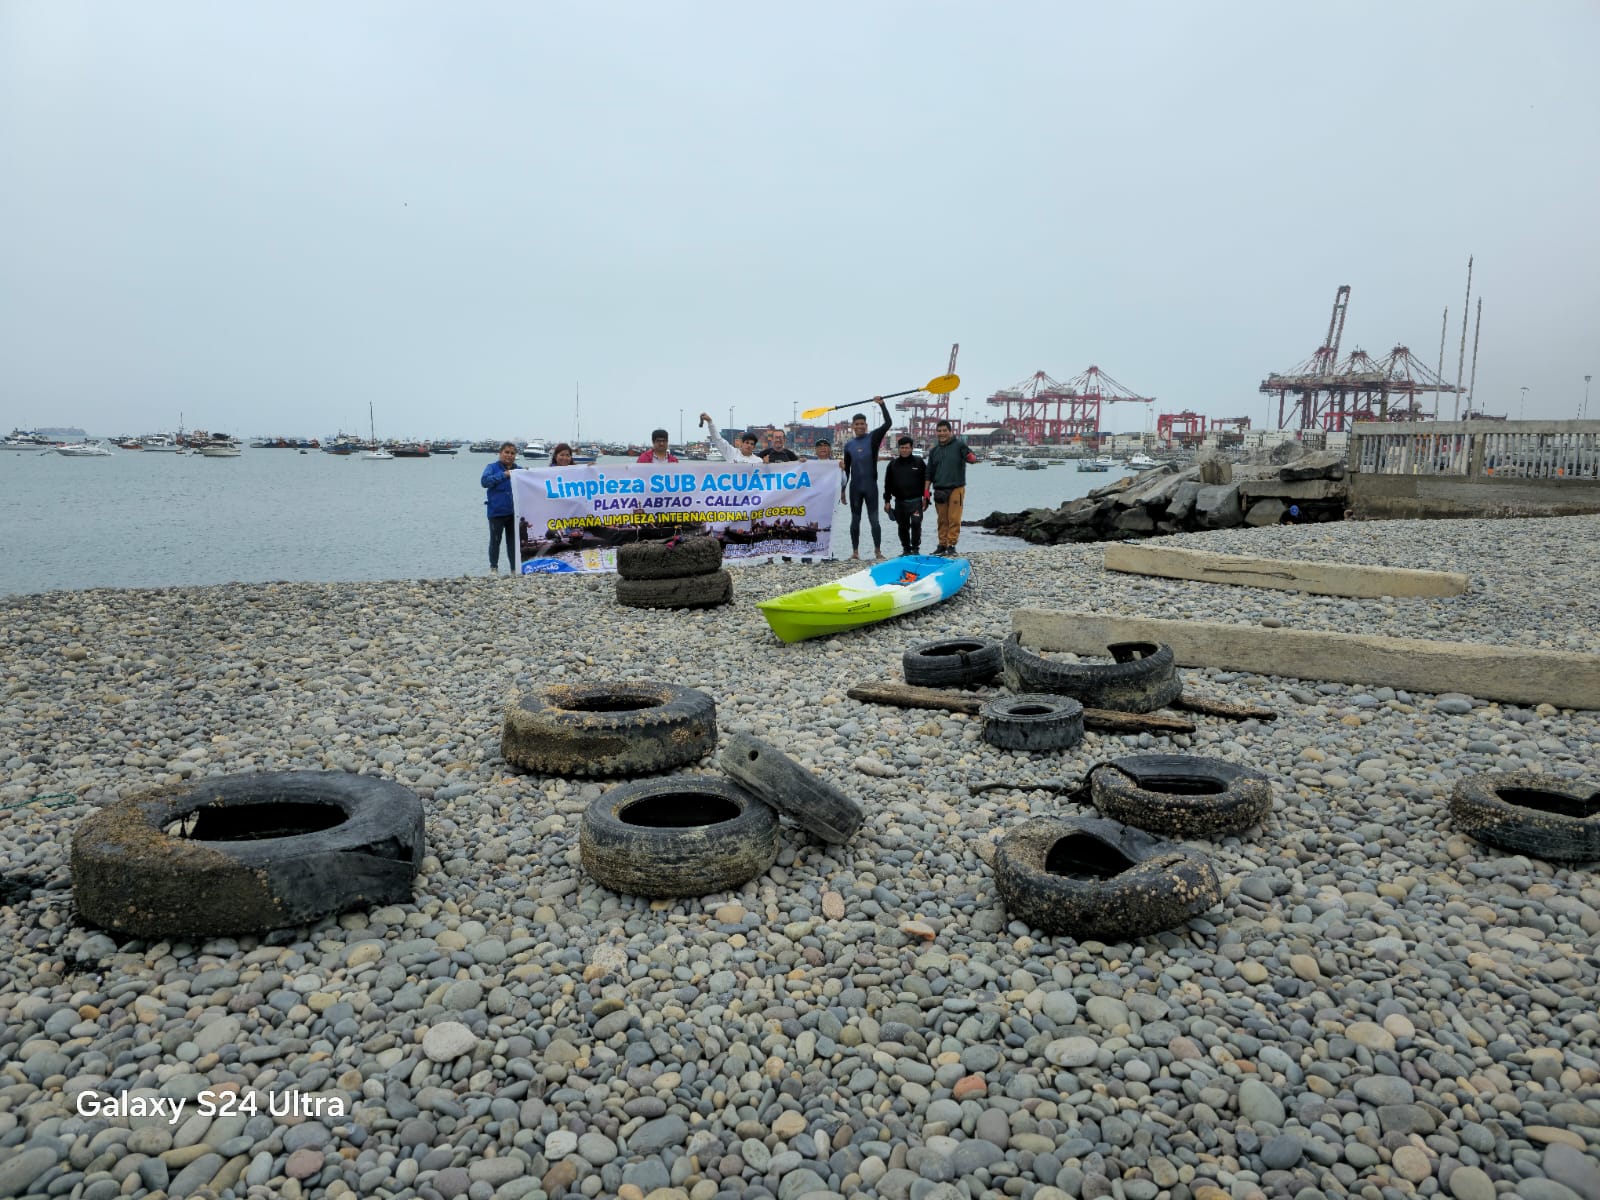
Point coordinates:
pixel 1040 409
pixel 1189 427
pixel 1325 392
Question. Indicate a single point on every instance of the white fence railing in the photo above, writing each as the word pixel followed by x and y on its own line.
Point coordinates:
pixel 1478 449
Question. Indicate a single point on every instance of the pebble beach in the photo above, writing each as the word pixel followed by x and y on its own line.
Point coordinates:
pixel 1379 1006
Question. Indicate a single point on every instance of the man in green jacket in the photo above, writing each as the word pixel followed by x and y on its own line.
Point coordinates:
pixel 947 476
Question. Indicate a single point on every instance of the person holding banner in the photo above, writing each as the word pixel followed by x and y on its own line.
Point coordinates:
pixel 776 451
pixel 660 450
pixel 496 479
pixel 861 477
pixel 725 447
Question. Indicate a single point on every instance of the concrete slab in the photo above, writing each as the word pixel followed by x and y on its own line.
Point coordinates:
pixel 1285 574
pixel 1519 674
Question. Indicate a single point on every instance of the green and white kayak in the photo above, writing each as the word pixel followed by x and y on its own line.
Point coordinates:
pixel 887 589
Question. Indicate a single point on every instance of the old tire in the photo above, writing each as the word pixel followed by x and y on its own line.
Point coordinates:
pixel 805 798
pixel 1181 795
pixel 606 729
pixel 1141 677
pixel 952 662
pixel 1032 722
pixel 658 560
pixel 688 591
pixel 1542 816
pixel 686 835
pixel 1090 878
pixel 255 853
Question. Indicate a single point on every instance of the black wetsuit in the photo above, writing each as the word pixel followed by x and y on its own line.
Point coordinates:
pixel 860 464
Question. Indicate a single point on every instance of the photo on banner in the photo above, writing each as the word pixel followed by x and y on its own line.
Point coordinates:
pixel 572 519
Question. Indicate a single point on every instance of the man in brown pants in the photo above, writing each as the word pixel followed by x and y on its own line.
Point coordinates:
pixel 947 476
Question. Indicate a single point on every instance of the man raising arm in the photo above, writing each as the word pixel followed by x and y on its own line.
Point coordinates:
pixel 861 477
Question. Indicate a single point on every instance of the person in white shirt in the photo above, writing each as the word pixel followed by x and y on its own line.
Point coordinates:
pixel 729 454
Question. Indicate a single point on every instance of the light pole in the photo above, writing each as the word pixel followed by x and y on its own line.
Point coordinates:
pixel 1585 411
pixel 730 416
pixel 680 427
pixel 1523 407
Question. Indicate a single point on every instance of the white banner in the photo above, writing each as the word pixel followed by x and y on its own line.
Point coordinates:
pixel 574 518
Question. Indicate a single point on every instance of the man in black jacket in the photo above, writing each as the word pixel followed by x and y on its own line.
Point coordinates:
pixel 905 491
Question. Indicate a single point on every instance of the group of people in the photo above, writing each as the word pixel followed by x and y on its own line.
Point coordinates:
pixel 910 482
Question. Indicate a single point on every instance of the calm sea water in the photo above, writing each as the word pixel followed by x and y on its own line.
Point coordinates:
pixel 166 520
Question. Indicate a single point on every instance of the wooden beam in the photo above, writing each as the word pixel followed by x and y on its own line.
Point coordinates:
pixel 1101 720
pixel 1523 675
pixel 1321 578
pixel 1222 708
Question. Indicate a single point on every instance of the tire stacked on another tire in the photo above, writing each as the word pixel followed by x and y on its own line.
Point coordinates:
pixel 677 573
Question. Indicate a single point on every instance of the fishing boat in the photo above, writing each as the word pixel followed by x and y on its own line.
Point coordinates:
pixel 84 450
pixel 483 447
pixel 220 446
pixel 888 589
pixel 1142 462
pixel 26 439
pixel 1094 464
pixel 377 453
pixel 1031 464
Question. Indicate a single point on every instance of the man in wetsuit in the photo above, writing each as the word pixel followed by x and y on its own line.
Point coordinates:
pixel 905 488
pixel 861 477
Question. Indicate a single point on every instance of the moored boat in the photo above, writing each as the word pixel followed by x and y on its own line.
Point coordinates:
pixel 26 439
pixel 84 450
pixel 888 589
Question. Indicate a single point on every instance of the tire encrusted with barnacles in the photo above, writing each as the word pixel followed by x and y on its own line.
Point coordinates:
pixel 626 727
pixel 1525 812
pixel 675 558
pixel 683 835
pixel 805 798
pixel 1032 722
pixel 1181 795
pixel 246 853
pixel 1091 878
pixel 952 662
pixel 1141 677
pixel 686 591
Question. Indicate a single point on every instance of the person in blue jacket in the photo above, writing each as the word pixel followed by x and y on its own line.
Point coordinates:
pixel 502 516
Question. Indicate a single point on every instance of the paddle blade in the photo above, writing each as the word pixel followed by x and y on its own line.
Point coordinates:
pixel 943 385
pixel 811 413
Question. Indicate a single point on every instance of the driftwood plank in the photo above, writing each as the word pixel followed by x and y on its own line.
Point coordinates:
pixel 1321 578
pixel 903 695
pixel 1222 708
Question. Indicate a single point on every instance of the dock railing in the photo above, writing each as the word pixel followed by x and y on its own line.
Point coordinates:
pixel 1479 450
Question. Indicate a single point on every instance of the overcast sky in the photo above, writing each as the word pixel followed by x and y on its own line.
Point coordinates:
pixel 266 216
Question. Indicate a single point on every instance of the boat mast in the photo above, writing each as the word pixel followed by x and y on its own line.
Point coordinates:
pixel 577 414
